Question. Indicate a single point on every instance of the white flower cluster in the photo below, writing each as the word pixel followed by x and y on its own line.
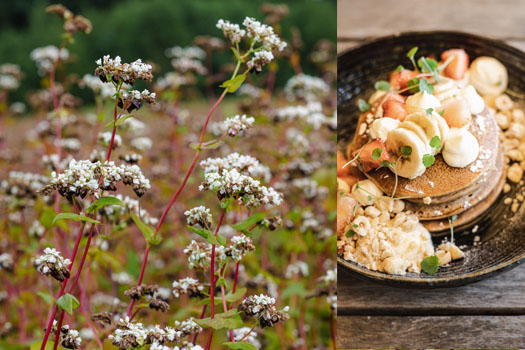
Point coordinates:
pixel 191 52
pixel 240 333
pixel 94 83
pixel 250 90
pixel 263 33
pixel 245 164
pixel 133 335
pixel 69 338
pixel 296 268
pixel 241 244
pixel 134 125
pixel 117 71
pixel 104 138
pixel 23 185
pixel 259 59
pixel 134 99
pixel 141 143
pixel 230 183
pixel 189 286
pixel 311 113
pixel 132 158
pixel 52 162
pixel 298 140
pixel 231 31
pixel 306 87
pixel 82 178
pixel 199 215
pixel 172 80
pixel 36 229
pixel 185 64
pixel 52 263
pixel 6 261
pixel 45 57
pixel 138 95
pixel 71 144
pixel 263 307
pixel 310 188
pixel 183 346
pixel 199 255
pixel 237 124
pixel 8 82
pixel 330 277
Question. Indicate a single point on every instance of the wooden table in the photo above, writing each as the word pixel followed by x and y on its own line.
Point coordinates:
pixel 487 314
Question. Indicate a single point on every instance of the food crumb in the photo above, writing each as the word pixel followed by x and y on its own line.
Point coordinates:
pixel 506 188
pixel 427 200
pixel 475 229
pixel 507 201
pixel 514 207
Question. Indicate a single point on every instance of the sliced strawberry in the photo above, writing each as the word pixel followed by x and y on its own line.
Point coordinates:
pixel 365 155
pixel 399 80
pixel 341 160
pixel 457 68
pixel 395 107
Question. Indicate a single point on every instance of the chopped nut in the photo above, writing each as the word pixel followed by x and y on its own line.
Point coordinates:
pixel 518 115
pixel 503 120
pixel 427 200
pixel 515 173
pixel 516 130
pixel 443 257
pixel 503 103
pixel 362 128
pixel 507 201
pixel 506 188
pixel 515 155
pixel 514 207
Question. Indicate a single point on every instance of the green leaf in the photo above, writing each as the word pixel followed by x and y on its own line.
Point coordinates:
pixel 382 85
pixel 442 112
pixel 399 68
pixel 435 142
pixel 363 105
pixel 76 217
pixel 385 163
pixel 233 84
pixel 229 320
pixel 428 160
pixel 208 235
pixel 68 303
pixel 429 65
pixel 47 216
pixel 147 231
pixel 240 346
pixel 48 298
pixel 406 151
pixel 294 289
pixel 430 264
pixel 424 86
pixel 249 222
pixel 413 85
pixel 376 153
pixel 120 120
pixel 429 111
pixel 102 202
pixel 412 52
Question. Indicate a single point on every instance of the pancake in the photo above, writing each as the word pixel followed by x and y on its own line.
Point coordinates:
pixel 441 182
pixel 434 211
pixel 472 213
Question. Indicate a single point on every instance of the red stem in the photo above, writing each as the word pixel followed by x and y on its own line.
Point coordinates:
pixel 200 317
pixel 77 276
pixel 236 276
pixel 176 194
pixel 62 288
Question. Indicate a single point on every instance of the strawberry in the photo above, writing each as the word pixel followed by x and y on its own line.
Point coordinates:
pixel 457 68
pixel 395 107
pixel 365 155
pixel 399 80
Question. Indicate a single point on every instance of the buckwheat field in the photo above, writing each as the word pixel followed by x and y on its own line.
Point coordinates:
pixel 181 206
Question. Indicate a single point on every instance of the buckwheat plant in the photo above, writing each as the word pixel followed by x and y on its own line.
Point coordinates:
pixel 156 224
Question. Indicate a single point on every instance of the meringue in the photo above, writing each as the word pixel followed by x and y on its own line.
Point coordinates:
pixel 474 100
pixel 488 75
pixel 421 101
pixel 461 148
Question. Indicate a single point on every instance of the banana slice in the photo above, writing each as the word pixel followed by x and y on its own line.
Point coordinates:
pixel 411 166
pixel 429 125
pixel 415 128
pixel 444 129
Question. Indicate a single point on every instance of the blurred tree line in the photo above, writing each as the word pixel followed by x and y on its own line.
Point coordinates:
pixel 144 29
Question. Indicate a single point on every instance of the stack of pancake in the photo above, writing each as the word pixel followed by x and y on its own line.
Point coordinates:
pixel 465 192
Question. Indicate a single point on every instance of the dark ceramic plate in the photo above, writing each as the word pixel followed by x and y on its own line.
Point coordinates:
pixel 501 232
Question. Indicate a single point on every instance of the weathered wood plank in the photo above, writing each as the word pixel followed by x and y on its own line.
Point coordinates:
pixel 466 332
pixel 501 294
pixel 364 18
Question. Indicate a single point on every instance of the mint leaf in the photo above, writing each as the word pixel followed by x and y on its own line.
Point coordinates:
pixel 376 153
pixel 385 163
pixel 428 160
pixel 67 302
pixel 363 105
pixel 413 85
pixel 382 85
pixel 435 142
pixel 430 264
pixel 406 151
pixel 429 111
